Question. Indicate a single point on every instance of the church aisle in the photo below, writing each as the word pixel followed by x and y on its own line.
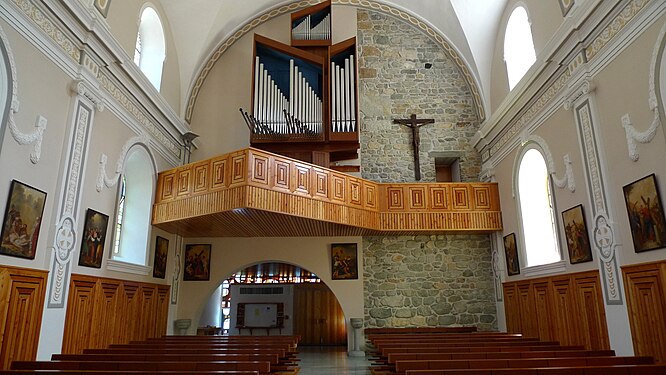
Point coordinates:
pixel 316 360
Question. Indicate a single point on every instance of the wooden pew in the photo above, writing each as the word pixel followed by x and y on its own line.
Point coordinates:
pixel 659 369
pixel 177 357
pixel 402 366
pixel 393 357
pixel 387 330
pixel 121 366
pixel 113 372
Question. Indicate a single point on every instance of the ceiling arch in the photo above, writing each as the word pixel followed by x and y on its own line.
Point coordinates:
pixel 463 60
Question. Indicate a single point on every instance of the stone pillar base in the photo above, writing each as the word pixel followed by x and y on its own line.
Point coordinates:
pixel 356 353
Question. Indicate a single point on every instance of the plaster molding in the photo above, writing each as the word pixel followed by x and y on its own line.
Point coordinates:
pixel 84 89
pixel 21 138
pixel 605 43
pixel 568 180
pixel 103 180
pixel 633 134
pixel 392 10
pixel 586 87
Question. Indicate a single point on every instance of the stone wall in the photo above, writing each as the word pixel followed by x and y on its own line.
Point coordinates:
pixel 425 280
pixel 394 83
pixel 429 281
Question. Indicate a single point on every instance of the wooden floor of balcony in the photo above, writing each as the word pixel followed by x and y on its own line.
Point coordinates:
pixel 254 193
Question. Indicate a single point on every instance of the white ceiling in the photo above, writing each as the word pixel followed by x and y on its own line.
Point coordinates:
pixel 198 26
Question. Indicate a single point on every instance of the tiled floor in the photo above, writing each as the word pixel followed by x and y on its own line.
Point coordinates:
pixel 317 360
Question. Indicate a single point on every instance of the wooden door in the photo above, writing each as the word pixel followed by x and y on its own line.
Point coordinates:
pixel 318 317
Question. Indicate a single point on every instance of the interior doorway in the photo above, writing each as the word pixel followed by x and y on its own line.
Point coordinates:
pixel 274 299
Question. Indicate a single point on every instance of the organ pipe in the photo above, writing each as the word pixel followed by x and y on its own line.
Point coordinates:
pixel 343 96
pixel 306 31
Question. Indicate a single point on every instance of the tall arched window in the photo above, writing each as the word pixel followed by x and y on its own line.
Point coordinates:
pixel 519 52
pixel 150 50
pixel 134 207
pixel 536 210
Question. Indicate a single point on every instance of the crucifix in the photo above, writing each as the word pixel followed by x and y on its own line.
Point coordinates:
pixel 415 124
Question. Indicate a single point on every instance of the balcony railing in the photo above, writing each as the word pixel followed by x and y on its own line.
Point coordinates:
pixel 252 192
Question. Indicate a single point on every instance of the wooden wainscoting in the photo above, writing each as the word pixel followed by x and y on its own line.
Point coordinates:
pixel 645 285
pixel 103 311
pixel 22 293
pixel 565 308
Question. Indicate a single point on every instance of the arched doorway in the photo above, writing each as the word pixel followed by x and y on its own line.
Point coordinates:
pixel 276 298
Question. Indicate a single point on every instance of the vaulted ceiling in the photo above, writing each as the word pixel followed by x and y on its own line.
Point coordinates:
pixel 199 26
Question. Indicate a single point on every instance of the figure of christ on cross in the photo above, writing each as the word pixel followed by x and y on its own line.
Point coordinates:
pixel 415 124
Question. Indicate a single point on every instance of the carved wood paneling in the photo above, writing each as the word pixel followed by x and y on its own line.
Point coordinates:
pixel 566 308
pixel 22 293
pixel 645 285
pixel 103 311
pixel 219 187
pixel 512 308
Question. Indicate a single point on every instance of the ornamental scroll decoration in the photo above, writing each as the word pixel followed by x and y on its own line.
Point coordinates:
pixel 23 139
pixel 634 135
pixel 103 180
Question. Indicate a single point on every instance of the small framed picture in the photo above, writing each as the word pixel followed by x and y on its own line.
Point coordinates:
pixel 575 230
pixel 23 216
pixel 94 237
pixel 197 262
pixel 511 252
pixel 344 261
pixel 161 253
pixel 646 214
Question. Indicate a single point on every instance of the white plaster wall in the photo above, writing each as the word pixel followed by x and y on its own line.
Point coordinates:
pixel 229 255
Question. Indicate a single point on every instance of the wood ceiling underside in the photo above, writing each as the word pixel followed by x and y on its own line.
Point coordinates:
pixel 257 223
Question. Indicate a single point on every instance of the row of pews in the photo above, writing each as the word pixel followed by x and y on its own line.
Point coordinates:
pixel 463 351
pixel 201 355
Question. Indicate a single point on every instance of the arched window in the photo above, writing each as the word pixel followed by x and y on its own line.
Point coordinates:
pixel 134 207
pixel 150 50
pixel 519 52
pixel 536 210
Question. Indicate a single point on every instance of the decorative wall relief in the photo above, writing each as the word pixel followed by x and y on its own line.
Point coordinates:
pixel 103 180
pixel 580 100
pixel 40 124
pixel 68 208
pixel 646 136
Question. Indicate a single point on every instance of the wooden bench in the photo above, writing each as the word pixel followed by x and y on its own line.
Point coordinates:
pixel 402 366
pixel 574 370
pixel 419 330
pixel 186 367
pixel 393 357
pixel 105 357
pixel 113 372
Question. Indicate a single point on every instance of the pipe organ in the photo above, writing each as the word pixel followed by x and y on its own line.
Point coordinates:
pixel 320 31
pixel 305 93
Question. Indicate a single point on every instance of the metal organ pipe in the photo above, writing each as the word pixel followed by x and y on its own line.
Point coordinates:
pixel 343 96
pixel 305 31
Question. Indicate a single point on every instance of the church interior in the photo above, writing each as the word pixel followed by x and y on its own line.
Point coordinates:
pixel 323 169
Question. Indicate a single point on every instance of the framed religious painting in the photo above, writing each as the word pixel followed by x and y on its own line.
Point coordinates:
pixel 161 253
pixel 344 261
pixel 646 214
pixel 197 262
pixel 511 252
pixel 575 230
pixel 94 237
pixel 23 216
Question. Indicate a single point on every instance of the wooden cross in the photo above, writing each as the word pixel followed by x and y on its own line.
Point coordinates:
pixel 415 124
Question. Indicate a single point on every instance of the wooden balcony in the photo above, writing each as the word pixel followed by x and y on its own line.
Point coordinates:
pixel 254 193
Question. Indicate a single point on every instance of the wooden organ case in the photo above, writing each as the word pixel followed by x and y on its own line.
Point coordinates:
pixel 304 95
